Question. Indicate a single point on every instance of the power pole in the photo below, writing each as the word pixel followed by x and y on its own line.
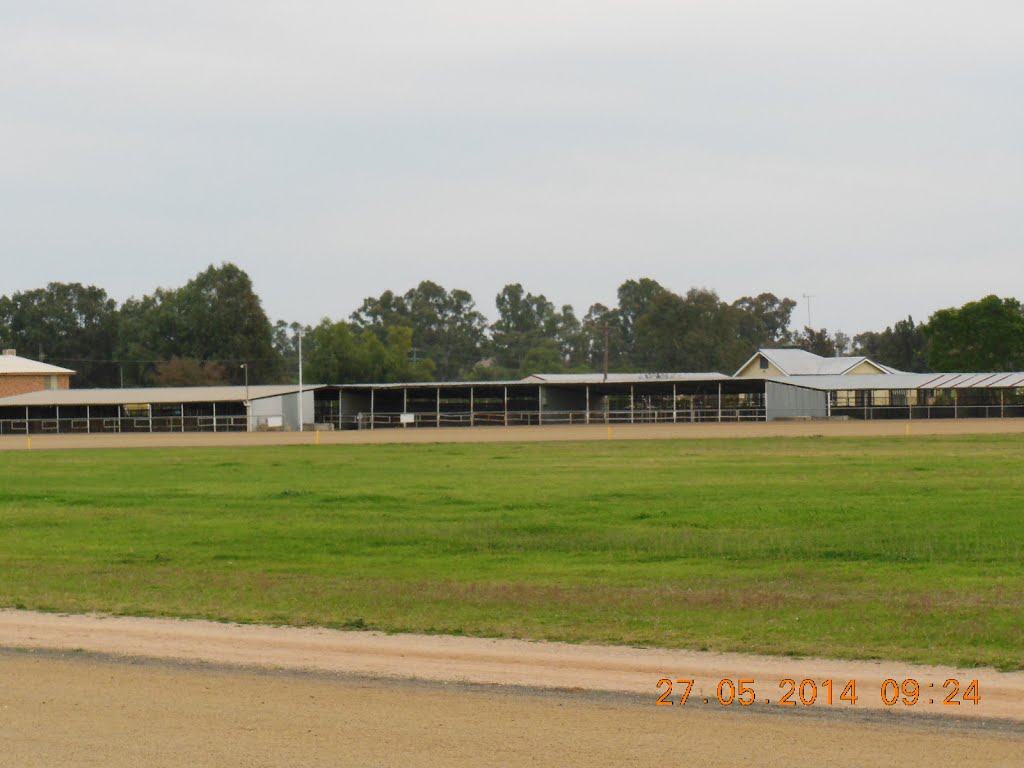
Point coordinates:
pixel 606 352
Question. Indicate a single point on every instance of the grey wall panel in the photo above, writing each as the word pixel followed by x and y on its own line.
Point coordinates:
pixel 783 401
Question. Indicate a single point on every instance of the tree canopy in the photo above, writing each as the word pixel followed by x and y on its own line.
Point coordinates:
pixel 66 324
pixel 984 335
pixel 205 330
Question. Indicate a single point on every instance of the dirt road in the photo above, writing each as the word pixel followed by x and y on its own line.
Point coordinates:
pixel 206 694
pixel 523 434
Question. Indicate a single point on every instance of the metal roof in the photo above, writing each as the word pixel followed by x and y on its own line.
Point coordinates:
pixel 17 366
pixel 799 362
pixel 151 395
pixel 621 378
pixel 553 378
pixel 430 384
pixel 878 381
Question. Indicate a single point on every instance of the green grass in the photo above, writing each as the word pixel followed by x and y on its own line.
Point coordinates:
pixel 872 548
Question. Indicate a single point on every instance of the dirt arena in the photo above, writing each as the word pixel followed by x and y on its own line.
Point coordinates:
pixel 880 428
pixel 90 691
pixel 119 692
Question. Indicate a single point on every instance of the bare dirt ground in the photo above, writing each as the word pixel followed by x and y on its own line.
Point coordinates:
pixel 86 690
pixel 882 428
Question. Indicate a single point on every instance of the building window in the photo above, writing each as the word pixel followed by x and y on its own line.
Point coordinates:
pixel 764 364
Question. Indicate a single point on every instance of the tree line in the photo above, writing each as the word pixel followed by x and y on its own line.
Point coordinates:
pixel 213 330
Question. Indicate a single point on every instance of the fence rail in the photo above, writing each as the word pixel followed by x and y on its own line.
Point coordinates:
pixel 127 424
pixel 924 412
pixel 540 418
pixel 163 424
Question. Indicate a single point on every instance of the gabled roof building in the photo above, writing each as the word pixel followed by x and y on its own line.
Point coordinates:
pixel 798 362
pixel 19 375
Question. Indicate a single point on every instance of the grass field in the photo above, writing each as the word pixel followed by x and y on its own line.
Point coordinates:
pixel 854 548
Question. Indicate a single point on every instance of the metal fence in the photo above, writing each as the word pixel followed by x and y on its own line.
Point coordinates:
pixel 541 418
pixel 126 424
pixel 923 412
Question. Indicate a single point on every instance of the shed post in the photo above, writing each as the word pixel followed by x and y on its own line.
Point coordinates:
pixel 88 421
pixel 471 406
pixel 372 406
pixel 1002 413
pixel 506 406
pixel 57 411
pixel 632 404
pixel 26 419
pixel 439 406
pixel 719 401
pixel 586 418
pixel 405 399
pixel 151 417
pixel 540 404
pixel 215 416
pixel 674 402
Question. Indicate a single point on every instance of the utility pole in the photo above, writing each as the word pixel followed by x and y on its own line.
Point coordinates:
pixel 248 417
pixel 301 415
pixel 606 352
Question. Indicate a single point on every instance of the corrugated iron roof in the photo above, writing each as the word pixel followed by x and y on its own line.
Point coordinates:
pixel 151 395
pixel 621 378
pixel 554 378
pixel 799 362
pixel 905 381
pixel 431 384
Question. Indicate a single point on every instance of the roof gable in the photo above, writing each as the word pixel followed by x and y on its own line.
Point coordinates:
pixel 13 365
pixel 800 362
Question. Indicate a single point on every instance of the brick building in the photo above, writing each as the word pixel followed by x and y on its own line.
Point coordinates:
pixel 19 375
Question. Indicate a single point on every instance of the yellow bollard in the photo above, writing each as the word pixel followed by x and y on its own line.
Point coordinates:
pixel 908 430
pixel 609 432
pixel 28 441
pixel 318 437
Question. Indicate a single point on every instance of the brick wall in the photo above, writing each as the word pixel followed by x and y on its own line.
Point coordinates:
pixel 19 384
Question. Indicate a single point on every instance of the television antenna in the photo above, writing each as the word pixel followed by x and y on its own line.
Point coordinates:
pixel 807 298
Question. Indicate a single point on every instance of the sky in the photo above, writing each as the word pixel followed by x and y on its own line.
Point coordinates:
pixel 869 155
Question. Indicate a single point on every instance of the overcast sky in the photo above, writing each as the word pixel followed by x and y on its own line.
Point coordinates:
pixel 869 153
